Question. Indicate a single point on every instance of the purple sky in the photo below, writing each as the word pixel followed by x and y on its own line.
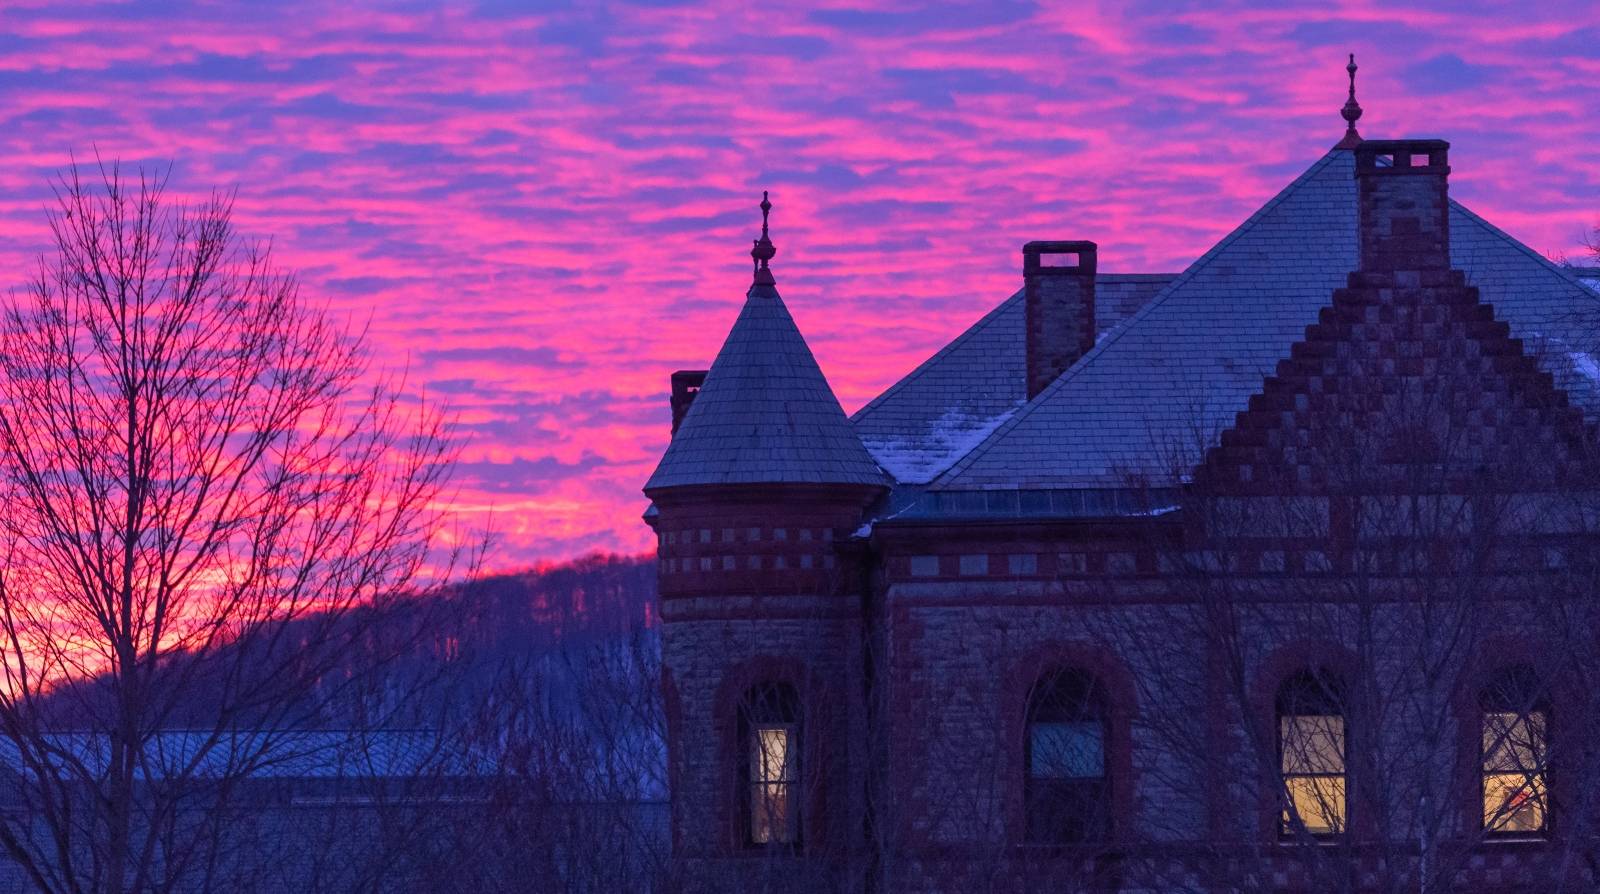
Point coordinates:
pixel 545 209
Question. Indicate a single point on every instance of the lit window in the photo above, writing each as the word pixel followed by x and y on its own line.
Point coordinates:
pixel 1311 754
pixel 1516 725
pixel 769 721
pixel 805 560
pixel 1066 795
pixel 924 566
pixel 975 565
pixel 780 533
pixel 727 563
pixel 1023 563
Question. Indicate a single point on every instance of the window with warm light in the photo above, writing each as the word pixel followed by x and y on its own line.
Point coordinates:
pixel 1066 794
pixel 1515 723
pixel 1311 752
pixel 770 765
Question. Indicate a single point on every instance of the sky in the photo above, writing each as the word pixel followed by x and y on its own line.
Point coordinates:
pixel 542 209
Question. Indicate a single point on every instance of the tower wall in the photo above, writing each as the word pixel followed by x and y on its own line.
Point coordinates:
pixel 755 589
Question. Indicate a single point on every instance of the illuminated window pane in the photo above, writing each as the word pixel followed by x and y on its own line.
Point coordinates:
pixel 1312 744
pixel 1318 801
pixel 771 759
pixel 1515 799
pixel 769 815
pixel 772 774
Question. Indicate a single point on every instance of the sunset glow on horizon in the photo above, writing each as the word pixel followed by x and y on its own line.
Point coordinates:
pixel 540 211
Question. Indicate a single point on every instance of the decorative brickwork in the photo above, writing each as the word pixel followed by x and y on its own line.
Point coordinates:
pixel 1416 359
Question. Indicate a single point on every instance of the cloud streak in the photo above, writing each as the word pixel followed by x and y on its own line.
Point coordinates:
pixel 544 213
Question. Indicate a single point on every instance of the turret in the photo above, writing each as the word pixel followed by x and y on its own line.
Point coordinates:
pixel 761 653
pixel 764 471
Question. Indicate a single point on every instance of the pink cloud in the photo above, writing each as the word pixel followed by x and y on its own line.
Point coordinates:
pixel 542 215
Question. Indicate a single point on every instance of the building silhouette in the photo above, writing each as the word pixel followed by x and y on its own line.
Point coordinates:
pixel 1266 575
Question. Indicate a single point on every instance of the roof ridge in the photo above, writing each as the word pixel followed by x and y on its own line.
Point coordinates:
pixel 1565 273
pixel 1116 332
pixel 950 346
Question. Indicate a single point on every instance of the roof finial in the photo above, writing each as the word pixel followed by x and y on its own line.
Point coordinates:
pixel 764 249
pixel 1351 111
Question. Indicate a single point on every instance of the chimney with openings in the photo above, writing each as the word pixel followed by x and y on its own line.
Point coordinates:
pixel 1058 279
pixel 1402 191
pixel 685 385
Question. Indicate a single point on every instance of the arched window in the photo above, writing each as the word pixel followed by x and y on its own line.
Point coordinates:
pixel 769 764
pixel 1311 753
pixel 1515 721
pixel 1067 798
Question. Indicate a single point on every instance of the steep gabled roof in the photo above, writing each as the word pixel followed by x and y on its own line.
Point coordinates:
pixel 956 398
pixel 765 414
pixel 1159 389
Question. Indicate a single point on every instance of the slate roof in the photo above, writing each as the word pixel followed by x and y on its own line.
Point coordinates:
pixel 1159 388
pixel 957 397
pixel 765 413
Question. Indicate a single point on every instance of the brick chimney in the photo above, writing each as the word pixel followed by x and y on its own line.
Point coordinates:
pixel 1403 221
pixel 685 385
pixel 1058 279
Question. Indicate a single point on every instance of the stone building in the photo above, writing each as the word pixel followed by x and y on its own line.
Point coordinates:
pixel 1265 575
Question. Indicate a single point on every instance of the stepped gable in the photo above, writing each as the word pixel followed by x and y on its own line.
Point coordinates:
pixel 1158 390
pixel 1419 365
pixel 765 413
pixel 946 406
pixel 1407 379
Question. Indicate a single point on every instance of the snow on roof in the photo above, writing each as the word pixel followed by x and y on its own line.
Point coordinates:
pixel 953 434
pixel 956 398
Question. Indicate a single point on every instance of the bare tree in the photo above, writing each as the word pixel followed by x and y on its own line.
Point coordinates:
pixel 568 750
pixel 209 507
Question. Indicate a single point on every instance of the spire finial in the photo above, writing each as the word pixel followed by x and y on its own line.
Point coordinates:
pixel 764 249
pixel 1351 111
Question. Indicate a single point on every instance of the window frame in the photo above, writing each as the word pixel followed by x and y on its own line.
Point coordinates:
pixel 1067 696
pixel 1514 690
pixel 770 705
pixel 1310 693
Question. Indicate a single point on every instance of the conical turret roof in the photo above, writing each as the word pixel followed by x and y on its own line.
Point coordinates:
pixel 765 414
